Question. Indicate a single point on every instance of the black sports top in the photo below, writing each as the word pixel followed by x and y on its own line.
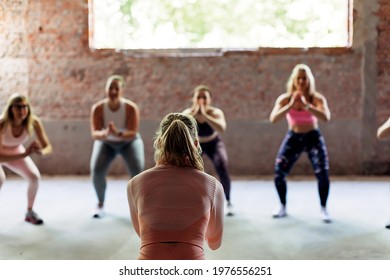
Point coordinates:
pixel 204 129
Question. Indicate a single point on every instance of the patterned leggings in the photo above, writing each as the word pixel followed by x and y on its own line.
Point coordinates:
pixel 293 145
pixel 216 151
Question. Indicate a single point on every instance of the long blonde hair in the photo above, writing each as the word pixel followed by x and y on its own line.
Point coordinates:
pixel 175 142
pixel 290 83
pixel 7 116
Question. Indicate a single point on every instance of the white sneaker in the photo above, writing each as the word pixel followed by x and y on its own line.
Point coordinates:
pixel 325 216
pixel 229 209
pixel 98 213
pixel 281 213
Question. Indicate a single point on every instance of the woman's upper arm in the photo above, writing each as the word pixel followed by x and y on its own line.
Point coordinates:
pixel 1 134
pixel 133 208
pixel 280 102
pixel 384 130
pixel 41 133
pixel 96 119
pixel 214 231
pixel 132 116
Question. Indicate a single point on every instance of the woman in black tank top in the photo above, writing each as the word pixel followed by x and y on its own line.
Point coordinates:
pixel 211 122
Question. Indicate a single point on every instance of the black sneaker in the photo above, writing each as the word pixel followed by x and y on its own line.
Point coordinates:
pixel 33 218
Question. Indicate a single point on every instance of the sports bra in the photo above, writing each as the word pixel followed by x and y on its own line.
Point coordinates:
pixel 300 117
pixel 204 129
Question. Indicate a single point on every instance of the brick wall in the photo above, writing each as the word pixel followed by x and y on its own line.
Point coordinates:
pixel 44 52
pixel 382 103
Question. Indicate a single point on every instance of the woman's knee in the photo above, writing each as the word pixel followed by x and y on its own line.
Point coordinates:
pixel 2 177
pixel 99 166
pixel 279 177
pixel 97 170
pixel 34 177
pixel 221 164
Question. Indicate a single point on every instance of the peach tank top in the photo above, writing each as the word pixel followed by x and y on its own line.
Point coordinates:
pixel 176 207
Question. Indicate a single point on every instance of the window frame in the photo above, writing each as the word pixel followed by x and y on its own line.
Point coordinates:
pixel 222 51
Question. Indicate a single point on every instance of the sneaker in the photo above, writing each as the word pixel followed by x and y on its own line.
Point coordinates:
pixel 325 216
pixel 98 213
pixel 33 218
pixel 229 209
pixel 388 225
pixel 281 213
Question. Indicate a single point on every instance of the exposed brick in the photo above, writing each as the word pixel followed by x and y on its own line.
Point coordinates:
pixel 45 53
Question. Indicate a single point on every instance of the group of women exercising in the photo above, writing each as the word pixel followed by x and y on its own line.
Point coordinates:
pixel 175 205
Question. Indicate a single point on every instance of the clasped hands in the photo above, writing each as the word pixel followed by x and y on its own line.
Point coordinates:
pixel 298 98
pixel 198 111
pixel 34 147
pixel 113 130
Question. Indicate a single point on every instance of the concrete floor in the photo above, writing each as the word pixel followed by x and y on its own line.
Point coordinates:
pixel 360 208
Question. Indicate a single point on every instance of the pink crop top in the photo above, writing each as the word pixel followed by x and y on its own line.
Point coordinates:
pixel 300 117
pixel 176 204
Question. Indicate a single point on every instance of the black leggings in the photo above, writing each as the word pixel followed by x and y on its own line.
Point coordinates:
pixel 216 151
pixel 293 145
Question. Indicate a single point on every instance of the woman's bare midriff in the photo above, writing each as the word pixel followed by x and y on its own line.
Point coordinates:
pixel 303 128
pixel 205 139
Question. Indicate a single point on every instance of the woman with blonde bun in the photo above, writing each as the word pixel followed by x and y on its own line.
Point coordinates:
pixel 175 206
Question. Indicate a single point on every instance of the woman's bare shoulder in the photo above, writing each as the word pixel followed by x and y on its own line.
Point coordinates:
pixel 215 110
pixel 283 98
pixel 186 111
pixel 319 97
pixel 129 103
pixel 98 106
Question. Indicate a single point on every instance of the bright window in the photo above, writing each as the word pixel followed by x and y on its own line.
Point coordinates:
pixel 229 24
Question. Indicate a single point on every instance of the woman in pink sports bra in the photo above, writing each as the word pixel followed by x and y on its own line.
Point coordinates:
pixel 17 125
pixel 302 106
pixel 176 206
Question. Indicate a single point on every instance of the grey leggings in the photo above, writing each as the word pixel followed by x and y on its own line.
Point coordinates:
pixel 104 152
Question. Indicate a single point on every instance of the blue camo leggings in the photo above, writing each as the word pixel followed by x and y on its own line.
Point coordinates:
pixel 104 153
pixel 293 145
pixel 216 151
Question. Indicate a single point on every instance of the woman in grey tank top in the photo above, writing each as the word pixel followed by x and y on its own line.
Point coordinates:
pixel 114 128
